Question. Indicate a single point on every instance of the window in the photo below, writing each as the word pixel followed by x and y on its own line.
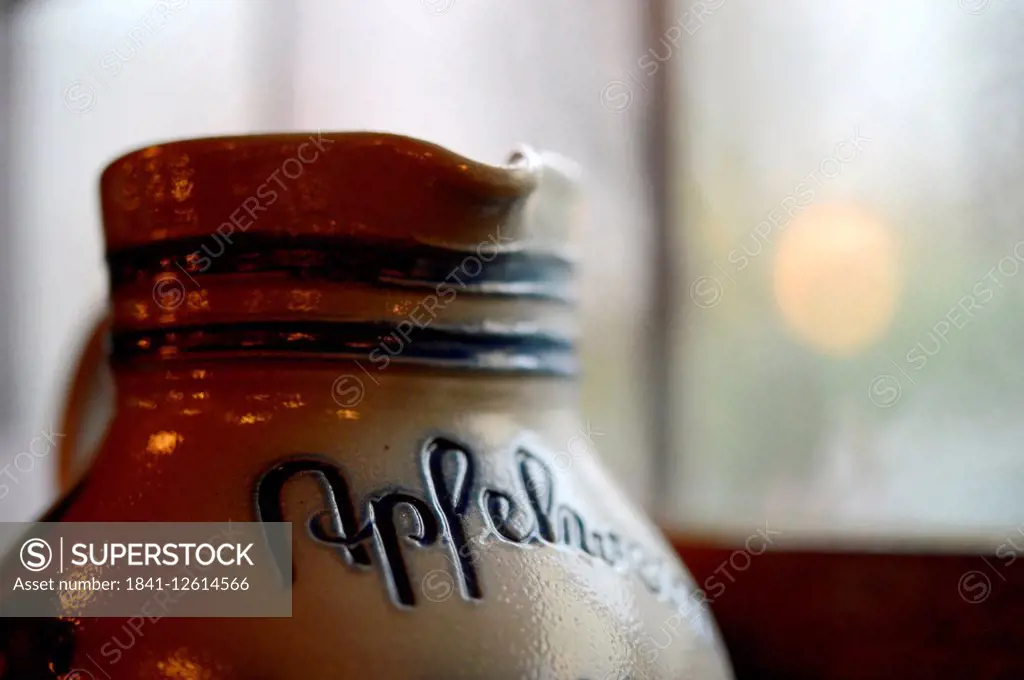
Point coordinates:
pixel 849 226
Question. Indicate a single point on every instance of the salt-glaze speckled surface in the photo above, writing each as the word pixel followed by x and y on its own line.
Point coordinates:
pixel 475 534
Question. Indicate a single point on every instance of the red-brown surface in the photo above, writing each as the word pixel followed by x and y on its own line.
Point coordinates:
pixel 366 185
pixel 801 615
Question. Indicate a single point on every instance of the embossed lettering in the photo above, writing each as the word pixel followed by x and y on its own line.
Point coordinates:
pixel 451 497
pixel 396 521
pixel 270 504
pixel 501 511
pixel 539 485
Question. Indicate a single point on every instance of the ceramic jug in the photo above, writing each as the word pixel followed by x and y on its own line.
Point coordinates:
pixel 372 338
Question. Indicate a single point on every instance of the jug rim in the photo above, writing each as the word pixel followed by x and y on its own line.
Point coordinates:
pixel 518 173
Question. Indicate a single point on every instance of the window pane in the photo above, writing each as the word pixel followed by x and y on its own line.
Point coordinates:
pixel 849 221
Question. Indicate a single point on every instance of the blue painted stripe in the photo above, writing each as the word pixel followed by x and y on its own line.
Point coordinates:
pixel 379 344
pixel 382 264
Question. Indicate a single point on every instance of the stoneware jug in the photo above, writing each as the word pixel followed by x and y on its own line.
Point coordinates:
pixel 372 338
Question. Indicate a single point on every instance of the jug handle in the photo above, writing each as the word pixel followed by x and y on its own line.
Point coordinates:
pixel 71 461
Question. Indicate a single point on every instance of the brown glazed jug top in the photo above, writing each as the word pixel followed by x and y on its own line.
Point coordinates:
pixel 337 227
pixel 369 185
